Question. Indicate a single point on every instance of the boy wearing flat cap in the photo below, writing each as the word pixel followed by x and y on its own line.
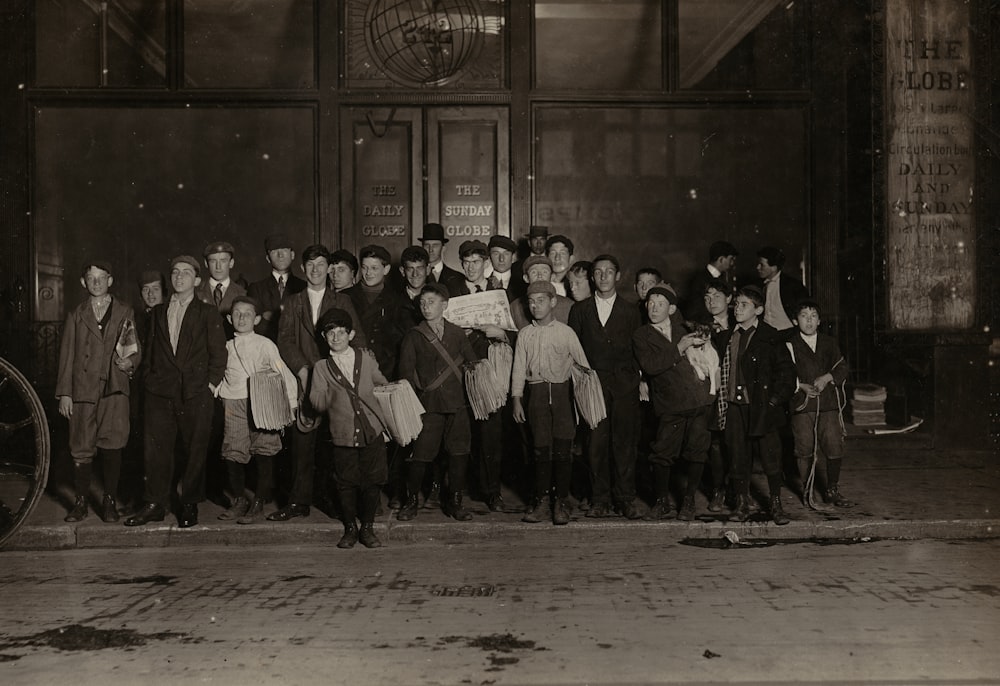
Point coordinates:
pixel 185 364
pixel 432 358
pixel 343 386
pixel 506 272
pixel 681 399
pixel 543 361
pixel 272 289
pixel 219 289
pixel 98 354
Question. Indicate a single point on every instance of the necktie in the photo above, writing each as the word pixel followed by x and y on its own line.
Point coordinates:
pixel 218 294
pixel 479 289
pixel 281 287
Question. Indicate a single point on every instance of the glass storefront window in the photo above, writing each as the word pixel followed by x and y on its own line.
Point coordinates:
pixel 249 44
pixel 89 44
pixel 656 187
pixel 599 45
pixel 743 44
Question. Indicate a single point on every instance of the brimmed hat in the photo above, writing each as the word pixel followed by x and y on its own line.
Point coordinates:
pixel 219 246
pixel 277 241
pixel 433 232
pixel 502 242
pixel 538 231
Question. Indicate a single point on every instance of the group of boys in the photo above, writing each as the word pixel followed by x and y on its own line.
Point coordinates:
pixel 721 379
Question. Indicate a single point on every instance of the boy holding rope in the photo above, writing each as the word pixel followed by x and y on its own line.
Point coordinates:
pixel 817 407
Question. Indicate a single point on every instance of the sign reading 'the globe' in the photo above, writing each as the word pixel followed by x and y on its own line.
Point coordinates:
pixel 930 227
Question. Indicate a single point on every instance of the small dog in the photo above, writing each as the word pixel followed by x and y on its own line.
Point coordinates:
pixel 704 358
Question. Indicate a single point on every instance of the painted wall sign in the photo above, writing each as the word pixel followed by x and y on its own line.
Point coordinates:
pixel 930 224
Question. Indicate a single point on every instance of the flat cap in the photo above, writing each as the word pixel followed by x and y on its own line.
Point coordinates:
pixel 186 259
pixel 219 246
pixel 541 287
pixel 103 265
pixel 150 276
pixel 470 247
pixel 532 260
pixel 502 242
pixel 667 293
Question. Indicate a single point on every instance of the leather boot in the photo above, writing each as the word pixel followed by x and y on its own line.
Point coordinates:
pixel 109 509
pixel 717 501
pixel 350 536
pixel 561 512
pixel 777 513
pixel 79 510
pixel 539 513
pixel 457 511
pixel 433 500
pixel 367 536
pixel 686 513
pixel 237 509
pixel 409 509
pixel 742 510
pixel 254 512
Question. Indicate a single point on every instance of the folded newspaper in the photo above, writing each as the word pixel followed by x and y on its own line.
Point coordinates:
pixel 128 342
pixel 478 309
pixel 502 358
pixel 483 389
pixel 401 409
pixel 589 395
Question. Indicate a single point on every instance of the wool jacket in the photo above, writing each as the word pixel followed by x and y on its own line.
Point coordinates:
pixel 201 355
pixel 811 365
pixel 420 364
pixel 674 384
pixel 87 370
pixel 299 344
pixel 327 394
pixel 265 292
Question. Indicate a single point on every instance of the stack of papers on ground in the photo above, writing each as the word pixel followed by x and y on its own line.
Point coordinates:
pixel 401 409
pixel 502 358
pixel 483 389
pixel 868 405
pixel 589 395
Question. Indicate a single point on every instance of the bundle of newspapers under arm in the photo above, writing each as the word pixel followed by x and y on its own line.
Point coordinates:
pixel 502 358
pixel 401 409
pixel 483 389
pixel 589 395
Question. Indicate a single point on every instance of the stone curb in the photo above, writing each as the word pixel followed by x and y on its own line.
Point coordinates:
pixel 66 536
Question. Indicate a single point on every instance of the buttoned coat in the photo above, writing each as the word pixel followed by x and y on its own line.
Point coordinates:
pixel 769 379
pixel 201 354
pixel 87 370
pixel 385 320
pixel 420 363
pixel 674 384
pixel 265 292
pixel 327 394
pixel 609 346
pixel 298 342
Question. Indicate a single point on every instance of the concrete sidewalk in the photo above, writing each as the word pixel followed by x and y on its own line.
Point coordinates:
pixel 902 487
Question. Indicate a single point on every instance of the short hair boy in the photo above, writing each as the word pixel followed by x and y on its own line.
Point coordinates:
pixel 761 381
pixel 543 361
pixel 682 400
pixel 343 386
pixel 343 269
pixel 98 354
pixel 818 402
pixel 578 280
pixel 242 442
pixel 431 358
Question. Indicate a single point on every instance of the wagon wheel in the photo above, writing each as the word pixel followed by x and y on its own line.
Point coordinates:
pixel 24 449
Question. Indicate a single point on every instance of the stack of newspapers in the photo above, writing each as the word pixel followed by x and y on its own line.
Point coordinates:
pixel 502 358
pixel 868 405
pixel 401 409
pixel 483 389
pixel 589 395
